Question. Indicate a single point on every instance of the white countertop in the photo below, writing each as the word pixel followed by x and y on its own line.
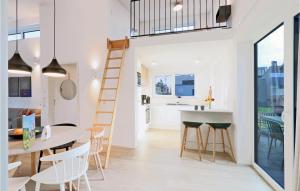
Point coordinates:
pixel 206 111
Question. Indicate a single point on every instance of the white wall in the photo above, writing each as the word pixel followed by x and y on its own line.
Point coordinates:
pixel 30 52
pixel 82 30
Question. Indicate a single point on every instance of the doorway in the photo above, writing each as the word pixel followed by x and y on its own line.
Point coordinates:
pixel 63 97
pixel 269 104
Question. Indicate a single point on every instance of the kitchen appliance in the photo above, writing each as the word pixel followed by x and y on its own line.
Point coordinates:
pixel 148 115
pixel 144 97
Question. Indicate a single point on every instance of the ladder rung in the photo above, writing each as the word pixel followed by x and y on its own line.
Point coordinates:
pixel 111 78
pixel 107 100
pixel 116 49
pixel 109 88
pixel 104 112
pixel 102 124
pixel 113 68
pixel 116 58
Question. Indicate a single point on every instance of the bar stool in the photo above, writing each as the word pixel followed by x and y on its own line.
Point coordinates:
pixel 223 127
pixel 196 126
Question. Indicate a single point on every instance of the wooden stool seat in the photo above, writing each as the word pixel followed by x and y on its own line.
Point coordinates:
pixel 222 127
pixel 192 124
pixel 196 126
pixel 219 125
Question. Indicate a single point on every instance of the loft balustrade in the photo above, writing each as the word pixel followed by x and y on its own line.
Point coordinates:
pixel 157 17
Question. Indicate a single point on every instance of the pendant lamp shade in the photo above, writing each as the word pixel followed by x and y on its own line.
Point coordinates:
pixel 54 69
pixel 178 6
pixel 16 65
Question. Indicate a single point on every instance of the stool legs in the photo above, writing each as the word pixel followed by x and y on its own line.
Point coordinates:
pixel 206 143
pixel 223 143
pixel 198 142
pixel 200 134
pixel 231 149
pixel 214 145
pixel 198 138
pixel 183 140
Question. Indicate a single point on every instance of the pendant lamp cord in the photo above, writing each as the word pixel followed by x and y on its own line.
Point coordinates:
pixel 17 30
pixel 54 28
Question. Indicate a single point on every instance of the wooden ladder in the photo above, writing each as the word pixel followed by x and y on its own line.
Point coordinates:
pixel 107 103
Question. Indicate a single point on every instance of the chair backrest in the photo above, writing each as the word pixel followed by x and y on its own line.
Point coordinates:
pixel 70 165
pixel 276 130
pixel 97 141
pixel 14 165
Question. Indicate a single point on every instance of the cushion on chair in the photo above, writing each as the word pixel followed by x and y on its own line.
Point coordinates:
pixel 219 125
pixel 192 124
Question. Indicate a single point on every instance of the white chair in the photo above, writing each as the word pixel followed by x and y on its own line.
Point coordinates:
pixel 96 149
pixel 16 183
pixel 67 167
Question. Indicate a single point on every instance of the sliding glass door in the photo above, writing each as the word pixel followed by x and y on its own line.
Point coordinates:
pixel 269 104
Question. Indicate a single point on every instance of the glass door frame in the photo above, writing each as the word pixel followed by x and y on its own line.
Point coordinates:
pixel 260 170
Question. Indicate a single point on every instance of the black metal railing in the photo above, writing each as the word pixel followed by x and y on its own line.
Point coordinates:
pixel 156 17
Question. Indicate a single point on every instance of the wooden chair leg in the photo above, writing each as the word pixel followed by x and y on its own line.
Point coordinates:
pixel 33 163
pixel 206 143
pixel 214 145
pixel 202 145
pixel 198 143
pixel 223 143
pixel 231 148
pixel 183 141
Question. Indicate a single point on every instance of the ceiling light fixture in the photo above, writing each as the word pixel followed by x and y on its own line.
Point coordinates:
pixel 178 6
pixel 16 65
pixel 54 69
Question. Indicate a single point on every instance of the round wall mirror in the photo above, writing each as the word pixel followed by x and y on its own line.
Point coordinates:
pixel 68 89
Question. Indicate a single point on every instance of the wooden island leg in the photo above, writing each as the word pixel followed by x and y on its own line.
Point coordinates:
pixel 33 167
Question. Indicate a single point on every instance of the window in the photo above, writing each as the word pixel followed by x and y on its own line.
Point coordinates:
pixel 32 34
pixel 25 35
pixel 12 37
pixel 269 104
pixel 185 85
pixel 19 87
pixel 163 85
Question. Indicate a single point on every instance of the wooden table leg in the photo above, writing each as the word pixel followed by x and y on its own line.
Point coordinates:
pixel 33 165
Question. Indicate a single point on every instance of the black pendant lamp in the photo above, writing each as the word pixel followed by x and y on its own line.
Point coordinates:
pixel 54 69
pixel 16 64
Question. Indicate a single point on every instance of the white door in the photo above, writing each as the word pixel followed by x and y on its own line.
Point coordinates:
pixel 62 110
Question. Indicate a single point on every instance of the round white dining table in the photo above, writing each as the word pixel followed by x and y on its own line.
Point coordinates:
pixel 59 135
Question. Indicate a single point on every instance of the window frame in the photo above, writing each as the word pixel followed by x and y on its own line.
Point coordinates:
pixel 256 108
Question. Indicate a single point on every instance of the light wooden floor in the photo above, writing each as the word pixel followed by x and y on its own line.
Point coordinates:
pixel 156 166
